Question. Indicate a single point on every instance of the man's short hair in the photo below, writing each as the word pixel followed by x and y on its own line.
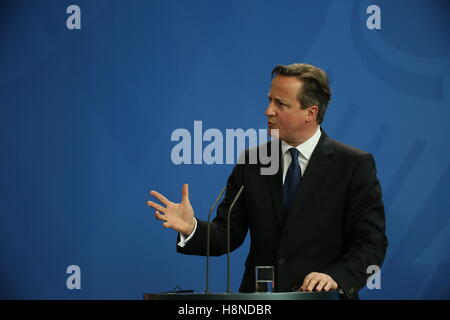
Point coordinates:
pixel 316 90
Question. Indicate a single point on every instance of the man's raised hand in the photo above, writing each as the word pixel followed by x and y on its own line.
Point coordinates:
pixel 176 216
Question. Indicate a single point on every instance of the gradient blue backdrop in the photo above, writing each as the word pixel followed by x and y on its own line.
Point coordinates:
pixel 86 117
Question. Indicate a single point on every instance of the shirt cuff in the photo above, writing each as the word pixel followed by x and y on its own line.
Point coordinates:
pixel 183 239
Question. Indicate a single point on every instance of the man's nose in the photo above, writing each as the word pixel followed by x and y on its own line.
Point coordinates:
pixel 270 112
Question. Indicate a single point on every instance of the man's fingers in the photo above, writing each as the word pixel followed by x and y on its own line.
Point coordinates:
pixel 321 285
pixel 319 281
pixel 160 197
pixel 156 206
pixel 334 285
pixel 312 284
pixel 328 286
pixel 306 281
pixel 304 285
pixel 160 216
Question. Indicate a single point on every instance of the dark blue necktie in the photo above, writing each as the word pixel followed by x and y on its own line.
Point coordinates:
pixel 292 179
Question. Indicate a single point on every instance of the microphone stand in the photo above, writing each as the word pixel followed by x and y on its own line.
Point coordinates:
pixel 208 228
pixel 228 237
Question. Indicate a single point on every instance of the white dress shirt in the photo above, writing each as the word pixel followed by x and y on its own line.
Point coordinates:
pixel 305 151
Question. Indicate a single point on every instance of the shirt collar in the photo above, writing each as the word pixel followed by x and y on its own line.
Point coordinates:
pixel 306 148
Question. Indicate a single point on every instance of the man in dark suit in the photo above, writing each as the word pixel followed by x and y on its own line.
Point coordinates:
pixel 319 220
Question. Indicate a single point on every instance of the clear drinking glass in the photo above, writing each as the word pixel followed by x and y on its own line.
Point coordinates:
pixel 264 278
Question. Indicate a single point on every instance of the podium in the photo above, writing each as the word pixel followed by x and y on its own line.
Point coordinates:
pixel 330 295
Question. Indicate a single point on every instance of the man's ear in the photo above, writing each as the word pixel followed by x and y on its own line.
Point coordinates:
pixel 313 111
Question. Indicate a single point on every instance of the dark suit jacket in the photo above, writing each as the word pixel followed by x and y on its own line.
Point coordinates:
pixel 336 224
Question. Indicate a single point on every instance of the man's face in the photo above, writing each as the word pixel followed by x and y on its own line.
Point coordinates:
pixel 284 112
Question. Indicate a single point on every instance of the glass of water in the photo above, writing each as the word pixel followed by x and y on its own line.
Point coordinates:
pixel 264 278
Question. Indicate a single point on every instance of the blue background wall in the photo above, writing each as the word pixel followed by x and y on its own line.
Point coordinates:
pixel 86 117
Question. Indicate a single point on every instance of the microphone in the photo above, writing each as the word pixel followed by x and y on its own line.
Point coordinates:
pixel 208 228
pixel 228 237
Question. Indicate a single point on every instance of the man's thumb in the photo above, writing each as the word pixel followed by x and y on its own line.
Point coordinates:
pixel 185 193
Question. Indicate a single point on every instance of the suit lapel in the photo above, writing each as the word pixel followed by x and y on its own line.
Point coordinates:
pixel 276 189
pixel 317 167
